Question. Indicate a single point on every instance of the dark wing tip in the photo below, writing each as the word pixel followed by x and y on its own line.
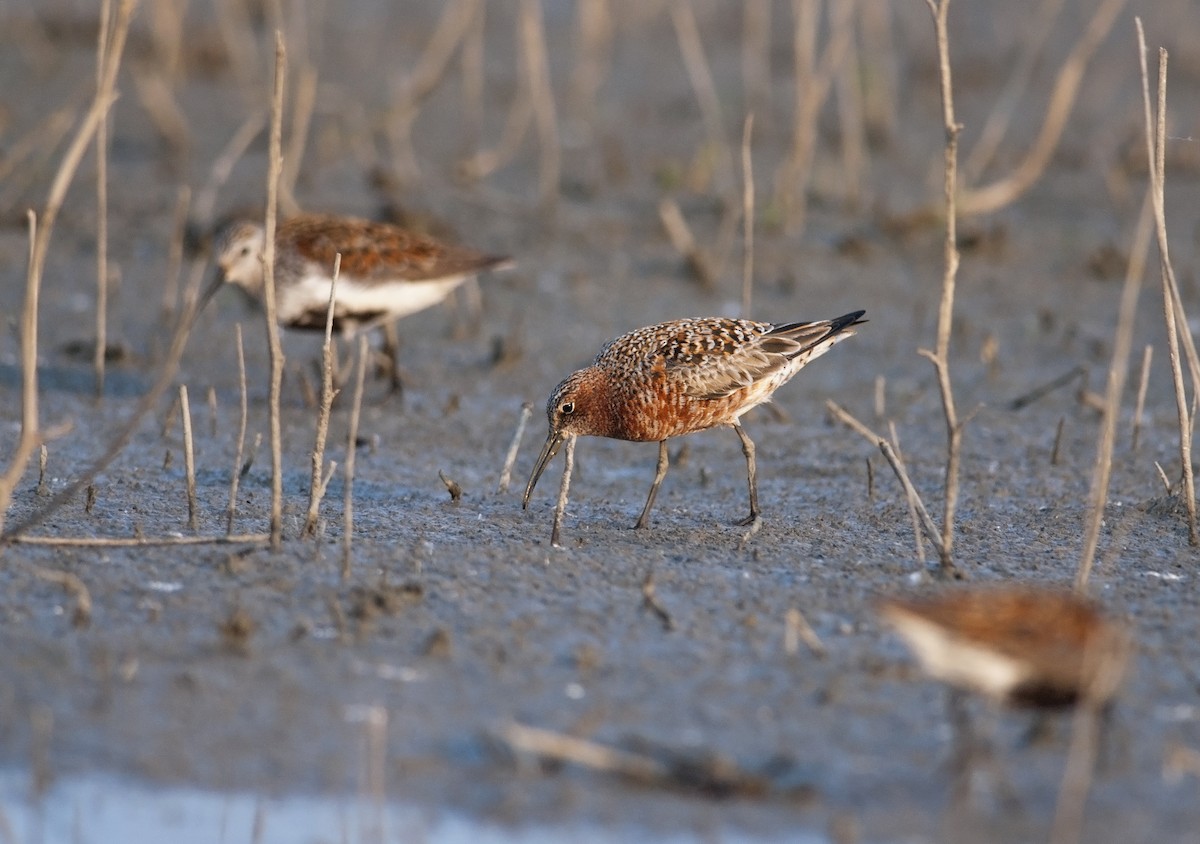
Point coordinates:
pixel 846 321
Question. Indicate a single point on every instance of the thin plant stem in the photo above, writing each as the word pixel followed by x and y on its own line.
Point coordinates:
pixel 537 66
pixel 1140 406
pixel 139 541
pixel 319 480
pixel 236 474
pixel 1008 189
pixel 360 369
pixel 102 49
pixel 700 75
pixel 1172 303
pixel 747 217
pixel 189 456
pixel 560 508
pixel 1117 372
pixel 511 457
pixel 941 356
pixel 268 259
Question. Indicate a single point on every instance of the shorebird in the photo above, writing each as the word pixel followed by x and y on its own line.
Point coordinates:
pixel 387 272
pixel 683 376
pixel 1018 645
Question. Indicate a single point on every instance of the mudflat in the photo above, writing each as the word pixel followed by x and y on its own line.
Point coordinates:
pixel 232 667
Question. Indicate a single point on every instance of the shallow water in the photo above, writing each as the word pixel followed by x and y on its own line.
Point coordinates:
pixel 98 809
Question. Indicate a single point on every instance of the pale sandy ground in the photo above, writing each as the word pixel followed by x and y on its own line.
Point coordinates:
pixel 460 617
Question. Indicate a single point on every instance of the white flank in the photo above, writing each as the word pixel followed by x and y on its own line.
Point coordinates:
pixel 396 298
pixel 952 660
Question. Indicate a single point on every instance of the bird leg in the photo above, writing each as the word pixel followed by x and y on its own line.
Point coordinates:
pixel 751 473
pixel 659 473
pixel 389 363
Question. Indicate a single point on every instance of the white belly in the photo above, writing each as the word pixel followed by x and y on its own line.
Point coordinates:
pixel 394 299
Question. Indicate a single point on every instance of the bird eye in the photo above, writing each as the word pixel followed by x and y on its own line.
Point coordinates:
pixel 245 250
pixel 568 407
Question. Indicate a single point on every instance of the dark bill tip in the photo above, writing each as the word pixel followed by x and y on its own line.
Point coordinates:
pixel 554 441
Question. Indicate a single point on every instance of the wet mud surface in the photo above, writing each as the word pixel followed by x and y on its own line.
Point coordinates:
pixel 235 667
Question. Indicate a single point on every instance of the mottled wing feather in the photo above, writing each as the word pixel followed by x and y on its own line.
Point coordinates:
pixel 720 357
pixel 378 251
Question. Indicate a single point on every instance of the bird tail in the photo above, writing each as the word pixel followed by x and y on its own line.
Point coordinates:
pixel 811 335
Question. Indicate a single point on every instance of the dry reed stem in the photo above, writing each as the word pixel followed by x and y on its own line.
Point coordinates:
pixel 589 754
pixel 351 452
pixel 511 457
pixel 166 30
pixel 43 138
pixel 166 115
pixel 473 86
pixel 910 491
pixel 696 64
pixel 941 356
pixel 756 53
pixel 1168 488
pixel 451 31
pixel 813 76
pixel 520 114
pixel 851 123
pixel 236 474
pixel 268 258
pixel 1117 372
pixel 1088 720
pixel 189 457
pixel 316 489
pixel 237 28
pixel 913 515
pixel 1140 406
pixel 170 300
pixel 31 437
pixel 43 489
pixel 1004 191
pixel 796 629
pixel 747 217
pixel 39 237
pixel 139 541
pixel 879 58
pixel 104 39
pixel 222 166
pixel 593 48
pixel 81 616
pixel 304 101
pixel 994 128
pixel 650 602
pixel 698 261
pixel 211 400
pixel 560 507
pixel 1056 449
pixel 1173 313
pixel 537 66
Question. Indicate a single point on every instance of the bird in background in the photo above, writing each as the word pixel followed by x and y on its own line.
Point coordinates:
pixel 680 377
pixel 386 272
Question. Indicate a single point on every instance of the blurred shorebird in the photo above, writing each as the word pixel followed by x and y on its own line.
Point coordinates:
pixel 1018 645
pixel 680 377
pixel 387 272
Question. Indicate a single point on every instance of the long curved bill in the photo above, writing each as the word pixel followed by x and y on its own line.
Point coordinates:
pixel 553 443
pixel 216 282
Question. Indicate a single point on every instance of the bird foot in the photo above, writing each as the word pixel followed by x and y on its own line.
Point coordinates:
pixel 753 519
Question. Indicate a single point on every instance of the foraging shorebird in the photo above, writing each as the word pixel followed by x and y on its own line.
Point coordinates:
pixel 386 272
pixel 684 376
